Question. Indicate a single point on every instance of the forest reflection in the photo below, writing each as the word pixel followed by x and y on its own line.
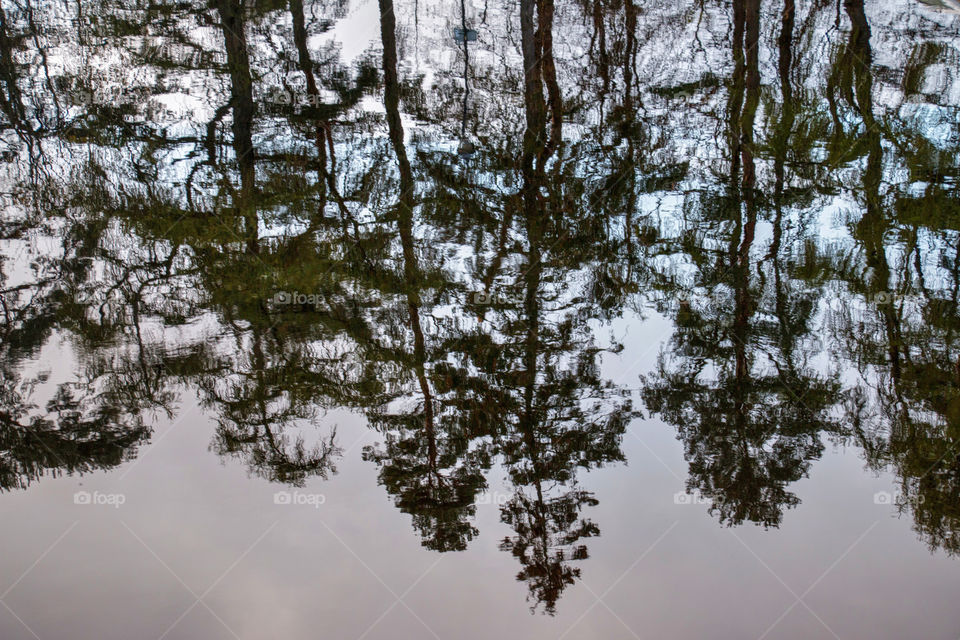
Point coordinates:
pixel 215 199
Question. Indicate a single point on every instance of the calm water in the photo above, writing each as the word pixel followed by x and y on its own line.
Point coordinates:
pixel 545 320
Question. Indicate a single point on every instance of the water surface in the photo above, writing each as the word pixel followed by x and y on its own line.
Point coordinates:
pixel 545 319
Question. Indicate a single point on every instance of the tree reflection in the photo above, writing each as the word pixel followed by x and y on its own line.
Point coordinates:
pixel 738 383
pixel 247 211
pixel 905 412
